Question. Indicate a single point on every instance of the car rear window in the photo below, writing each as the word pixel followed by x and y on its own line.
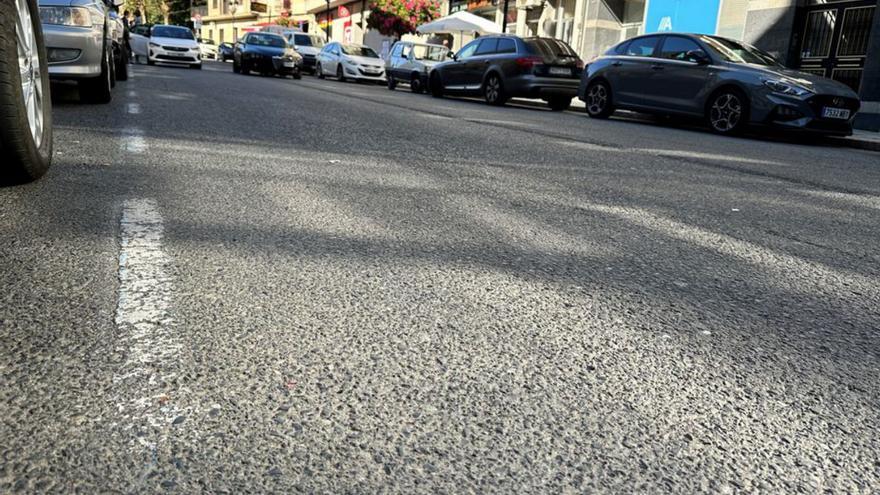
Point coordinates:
pixel 550 48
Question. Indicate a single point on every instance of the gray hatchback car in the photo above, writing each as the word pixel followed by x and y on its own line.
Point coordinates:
pixel 728 83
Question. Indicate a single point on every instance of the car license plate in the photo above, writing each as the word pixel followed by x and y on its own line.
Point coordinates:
pixel 560 71
pixel 835 113
pixel 290 64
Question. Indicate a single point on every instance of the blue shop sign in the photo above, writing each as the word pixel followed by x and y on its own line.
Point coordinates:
pixel 683 16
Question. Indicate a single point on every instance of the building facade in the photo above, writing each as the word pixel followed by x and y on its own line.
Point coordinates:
pixel 226 20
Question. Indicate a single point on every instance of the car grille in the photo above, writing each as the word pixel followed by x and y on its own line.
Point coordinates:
pixel 309 57
pixel 370 70
pixel 175 58
pixel 820 101
pixel 174 49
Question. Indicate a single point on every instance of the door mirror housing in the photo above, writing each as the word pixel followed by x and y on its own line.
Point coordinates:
pixel 699 56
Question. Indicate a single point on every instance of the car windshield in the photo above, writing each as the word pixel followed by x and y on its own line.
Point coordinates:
pixel 272 40
pixel 180 33
pixel 359 51
pixel 431 53
pixel 308 40
pixel 738 53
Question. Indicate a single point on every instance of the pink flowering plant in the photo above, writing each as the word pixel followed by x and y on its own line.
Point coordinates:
pixel 398 17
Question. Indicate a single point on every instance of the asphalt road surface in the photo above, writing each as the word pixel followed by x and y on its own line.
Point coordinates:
pixel 237 284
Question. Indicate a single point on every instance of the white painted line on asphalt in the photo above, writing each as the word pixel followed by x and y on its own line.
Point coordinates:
pixel 133 141
pixel 146 329
pixel 131 94
pixel 133 108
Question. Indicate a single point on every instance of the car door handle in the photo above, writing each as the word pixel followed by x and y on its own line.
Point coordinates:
pixel 617 64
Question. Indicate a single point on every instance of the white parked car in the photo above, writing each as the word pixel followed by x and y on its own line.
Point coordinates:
pixel 208 49
pixel 307 45
pixel 166 44
pixel 356 62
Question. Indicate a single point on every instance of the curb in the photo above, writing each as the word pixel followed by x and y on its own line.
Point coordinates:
pixel 845 142
pixel 853 142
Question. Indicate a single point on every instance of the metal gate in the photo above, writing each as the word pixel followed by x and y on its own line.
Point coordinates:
pixel 834 38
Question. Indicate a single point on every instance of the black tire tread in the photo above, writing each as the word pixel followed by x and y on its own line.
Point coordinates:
pixel 20 160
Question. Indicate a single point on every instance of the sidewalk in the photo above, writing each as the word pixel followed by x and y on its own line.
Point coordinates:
pixel 865 140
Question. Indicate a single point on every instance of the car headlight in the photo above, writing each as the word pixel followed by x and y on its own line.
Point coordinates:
pixel 66 16
pixel 157 45
pixel 786 87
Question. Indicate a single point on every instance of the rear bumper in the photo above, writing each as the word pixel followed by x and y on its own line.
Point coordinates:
pixel 542 87
pixel 89 42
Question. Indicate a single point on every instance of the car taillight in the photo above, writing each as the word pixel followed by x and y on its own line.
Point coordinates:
pixel 526 63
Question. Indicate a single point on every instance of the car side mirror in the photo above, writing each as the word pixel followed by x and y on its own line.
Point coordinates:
pixel 698 56
pixel 453 56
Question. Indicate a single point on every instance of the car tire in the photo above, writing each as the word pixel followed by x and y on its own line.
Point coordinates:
pixel 195 66
pixel 150 61
pixel 598 100
pixel 122 66
pixel 493 90
pixel 727 112
pixel 297 75
pixel 392 83
pixel 319 71
pixel 98 89
pixel 235 67
pixel 340 74
pixel 559 103
pixel 415 84
pixel 435 85
pixel 243 67
pixel 25 141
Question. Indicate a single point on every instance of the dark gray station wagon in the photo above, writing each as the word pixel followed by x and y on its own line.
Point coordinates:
pixel 502 67
pixel 728 83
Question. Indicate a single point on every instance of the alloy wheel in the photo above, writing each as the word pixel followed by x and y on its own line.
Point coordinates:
pixel 493 89
pixel 726 112
pixel 597 99
pixel 29 70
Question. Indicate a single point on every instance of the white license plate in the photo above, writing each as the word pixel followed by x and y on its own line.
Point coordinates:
pixel 835 113
pixel 290 64
pixel 560 71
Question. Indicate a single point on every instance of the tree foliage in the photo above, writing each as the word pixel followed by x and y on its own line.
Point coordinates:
pixel 398 17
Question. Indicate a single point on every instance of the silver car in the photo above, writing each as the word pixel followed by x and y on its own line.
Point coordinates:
pixel 345 61
pixel 728 83
pixel 410 63
pixel 79 42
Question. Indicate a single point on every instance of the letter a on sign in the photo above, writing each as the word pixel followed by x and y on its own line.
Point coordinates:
pixel 665 24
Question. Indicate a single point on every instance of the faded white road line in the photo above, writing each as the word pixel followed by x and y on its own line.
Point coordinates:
pixel 147 335
pixel 133 108
pixel 133 141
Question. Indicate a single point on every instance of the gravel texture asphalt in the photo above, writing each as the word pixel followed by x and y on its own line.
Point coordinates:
pixel 238 284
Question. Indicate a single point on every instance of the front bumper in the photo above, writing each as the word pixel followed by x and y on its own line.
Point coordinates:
pixel 86 45
pixel 309 62
pixel 277 65
pixel 175 56
pixel 528 86
pixel 803 114
pixel 360 73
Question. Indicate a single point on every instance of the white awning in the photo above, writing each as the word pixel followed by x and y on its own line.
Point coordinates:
pixel 460 22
